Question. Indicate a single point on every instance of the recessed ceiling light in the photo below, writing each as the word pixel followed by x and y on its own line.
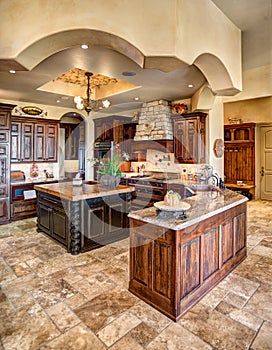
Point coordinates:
pixel 128 74
pixel 190 85
pixel 84 46
pixel 58 101
pixel 12 71
pixel 136 98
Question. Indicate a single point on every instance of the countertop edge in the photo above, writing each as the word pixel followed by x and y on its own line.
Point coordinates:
pixel 188 222
pixel 77 192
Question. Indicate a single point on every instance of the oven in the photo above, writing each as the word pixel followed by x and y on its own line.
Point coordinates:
pixel 103 149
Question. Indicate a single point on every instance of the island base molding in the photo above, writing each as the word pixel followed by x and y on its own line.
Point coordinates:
pixel 173 269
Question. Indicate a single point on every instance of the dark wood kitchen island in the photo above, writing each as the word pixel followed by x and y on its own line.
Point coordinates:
pixel 175 261
pixel 83 217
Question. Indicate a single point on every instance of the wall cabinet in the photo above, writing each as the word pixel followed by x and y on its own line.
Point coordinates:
pixel 5 117
pixel 115 128
pixel 22 136
pixel 34 140
pixel 239 155
pixel 190 138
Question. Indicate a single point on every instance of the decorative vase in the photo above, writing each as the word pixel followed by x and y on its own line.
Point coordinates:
pixel 125 167
pixel 109 181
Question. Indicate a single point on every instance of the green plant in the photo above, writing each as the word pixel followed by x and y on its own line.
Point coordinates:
pixel 111 166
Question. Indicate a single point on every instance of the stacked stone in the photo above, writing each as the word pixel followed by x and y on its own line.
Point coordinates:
pixel 155 121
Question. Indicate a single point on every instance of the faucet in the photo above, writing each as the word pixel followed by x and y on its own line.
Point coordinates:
pixel 214 179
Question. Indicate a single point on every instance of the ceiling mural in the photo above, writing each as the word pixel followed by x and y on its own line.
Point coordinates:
pixel 77 76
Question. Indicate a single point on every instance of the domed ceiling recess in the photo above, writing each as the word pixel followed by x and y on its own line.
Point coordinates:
pixel 74 82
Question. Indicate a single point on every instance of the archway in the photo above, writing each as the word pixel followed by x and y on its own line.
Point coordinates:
pixel 72 145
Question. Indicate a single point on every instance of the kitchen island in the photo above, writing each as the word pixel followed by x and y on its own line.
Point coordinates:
pixel 175 261
pixel 83 217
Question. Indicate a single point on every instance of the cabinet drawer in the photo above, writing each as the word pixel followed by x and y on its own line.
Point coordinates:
pixel 22 209
pixel 4 136
pixel 51 201
pixel 3 191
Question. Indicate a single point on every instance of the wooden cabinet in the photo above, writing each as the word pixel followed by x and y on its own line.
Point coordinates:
pixel 85 224
pixel 190 138
pixel 22 136
pixel 105 220
pixel 23 209
pixel 5 118
pixel 239 155
pixel 115 128
pixel 53 218
pixel 34 140
pixel 173 269
pixel 46 142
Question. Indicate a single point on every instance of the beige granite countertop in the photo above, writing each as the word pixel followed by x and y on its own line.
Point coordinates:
pixel 66 190
pixel 203 205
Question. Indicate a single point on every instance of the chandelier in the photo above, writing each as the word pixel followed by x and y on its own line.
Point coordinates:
pixel 87 103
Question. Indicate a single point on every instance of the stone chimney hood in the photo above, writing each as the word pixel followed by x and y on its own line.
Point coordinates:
pixel 155 121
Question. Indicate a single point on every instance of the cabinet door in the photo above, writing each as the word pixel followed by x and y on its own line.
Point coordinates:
pixel 192 141
pixel 51 143
pixel 39 149
pixel 5 120
pixel 45 218
pixel 4 211
pixel 27 142
pixel 189 141
pixel 180 142
pixel 59 227
pixel 15 142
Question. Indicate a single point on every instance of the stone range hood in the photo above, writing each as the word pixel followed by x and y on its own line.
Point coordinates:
pixel 155 121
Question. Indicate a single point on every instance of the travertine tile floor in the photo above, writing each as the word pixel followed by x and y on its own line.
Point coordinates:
pixel 52 300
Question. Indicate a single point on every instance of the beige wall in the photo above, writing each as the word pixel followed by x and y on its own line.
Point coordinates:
pixel 258 110
pixel 183 29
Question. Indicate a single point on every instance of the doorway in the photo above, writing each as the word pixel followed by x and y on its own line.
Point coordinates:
pixel 72 141
pixel 266 162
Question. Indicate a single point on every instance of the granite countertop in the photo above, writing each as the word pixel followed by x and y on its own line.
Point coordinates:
pixel 67 190
pixel 204 205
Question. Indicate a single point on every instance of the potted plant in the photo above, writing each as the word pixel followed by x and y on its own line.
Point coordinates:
pixel 109 168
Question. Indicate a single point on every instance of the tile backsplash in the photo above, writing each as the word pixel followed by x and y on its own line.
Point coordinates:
pixel 26 168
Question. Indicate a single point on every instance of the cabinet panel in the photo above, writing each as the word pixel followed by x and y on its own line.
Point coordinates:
pixel 51 143
pixel 4 211
pixel 34 140
pixel 227 241
pixel 59 228
pixel 45 215
pixel 27 142
pixel 162 269
pixel 4 119
pixel 190 138
pixel 15 142
pixel 141 258
pixel 210 252
pixel 190 266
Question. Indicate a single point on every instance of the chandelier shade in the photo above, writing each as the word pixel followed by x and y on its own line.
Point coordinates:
pixel 87 103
